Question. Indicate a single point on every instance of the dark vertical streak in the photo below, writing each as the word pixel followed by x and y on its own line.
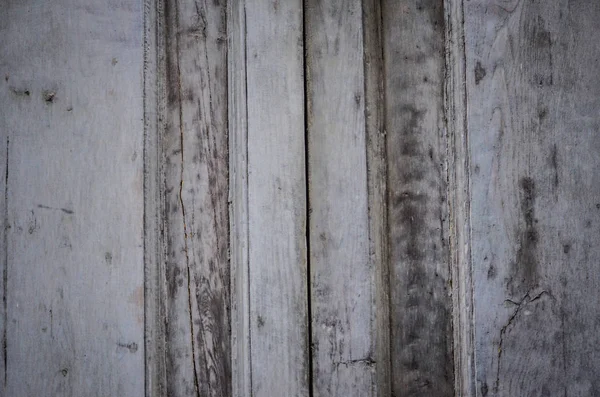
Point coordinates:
pixel 307 194
pixel 247 197
pixel 5 269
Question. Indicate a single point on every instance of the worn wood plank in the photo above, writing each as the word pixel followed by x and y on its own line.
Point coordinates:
pixel 459 221
pixel 420 308
pixel 377 191
pixel 533 98
pixel 341 268
pixel 238 197
pixel 196 186
pixel 72 109
pixel 276 199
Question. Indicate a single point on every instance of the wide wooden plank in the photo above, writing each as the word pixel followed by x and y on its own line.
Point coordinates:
pixel 533 105
pixel 71 127
pixel 341 268
pixel 276 199
pixel 420 302
pixel 195 148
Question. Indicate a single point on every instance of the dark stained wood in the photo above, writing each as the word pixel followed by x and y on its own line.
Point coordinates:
pixel 420 303
pixel 534 101
pixel 195 151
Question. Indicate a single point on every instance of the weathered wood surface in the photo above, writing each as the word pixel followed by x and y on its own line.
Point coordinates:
pixel 195 149
pixel 533 122
pixel 278 301
pixel 71 127
pixel 342 270
pixel 420 303
pixel 450 150
pixel 238 197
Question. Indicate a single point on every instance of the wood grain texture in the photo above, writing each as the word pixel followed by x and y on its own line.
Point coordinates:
pixel 459 221
pixel 342 271
pixel 196 203
pixel 238 198
pixel 71 112
pixel 276 199
pixel 155 290
pixel 533 95
pixel 420 308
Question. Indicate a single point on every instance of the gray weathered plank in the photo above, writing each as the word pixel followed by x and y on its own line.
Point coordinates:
pixel 533 105
pixel 238 197
pixel 458 200
pixel 276 199
pixel 196 201
pixel 71 106
pixel 341 268
pixel 420 306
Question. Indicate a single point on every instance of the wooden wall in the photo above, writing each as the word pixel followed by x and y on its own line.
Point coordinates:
pixel 299 198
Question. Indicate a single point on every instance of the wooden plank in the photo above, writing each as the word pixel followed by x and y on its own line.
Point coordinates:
pixel 238 198
pixel 377 191
pixel 196 212
pixel 72 110
pixel 341 267
pixel 421 322
pixel 276 199
pixel 459 221
pixel 533 100
pixel 155 290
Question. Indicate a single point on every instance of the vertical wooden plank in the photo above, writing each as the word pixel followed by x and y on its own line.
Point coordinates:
pixel 421 322
pixel 238 198
pixel 154 254
pixel 343 272
pixel 533 105
pixel 276 198
pixel 459 221
pixel 377 191
pixel 71 106
pixel 196 186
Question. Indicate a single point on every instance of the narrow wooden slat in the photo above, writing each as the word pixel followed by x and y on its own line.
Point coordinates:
pixel 342 270
pixel 196 186
pixel 420 307
pixel 238 198
pixel 276 199
pixel 534 100
pixel 71 106
pixel 459 225
pixel 154 253
pixel 377 191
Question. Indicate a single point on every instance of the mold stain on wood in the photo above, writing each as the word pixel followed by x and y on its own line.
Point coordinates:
pixel 524 275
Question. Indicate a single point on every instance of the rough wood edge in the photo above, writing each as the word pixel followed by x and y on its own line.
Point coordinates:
pixel 154 273
pixel 377 191
pixel 238 199
pixel 455 101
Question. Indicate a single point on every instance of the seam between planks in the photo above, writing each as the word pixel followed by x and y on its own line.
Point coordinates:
pixel 5 269
pixel 306 82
